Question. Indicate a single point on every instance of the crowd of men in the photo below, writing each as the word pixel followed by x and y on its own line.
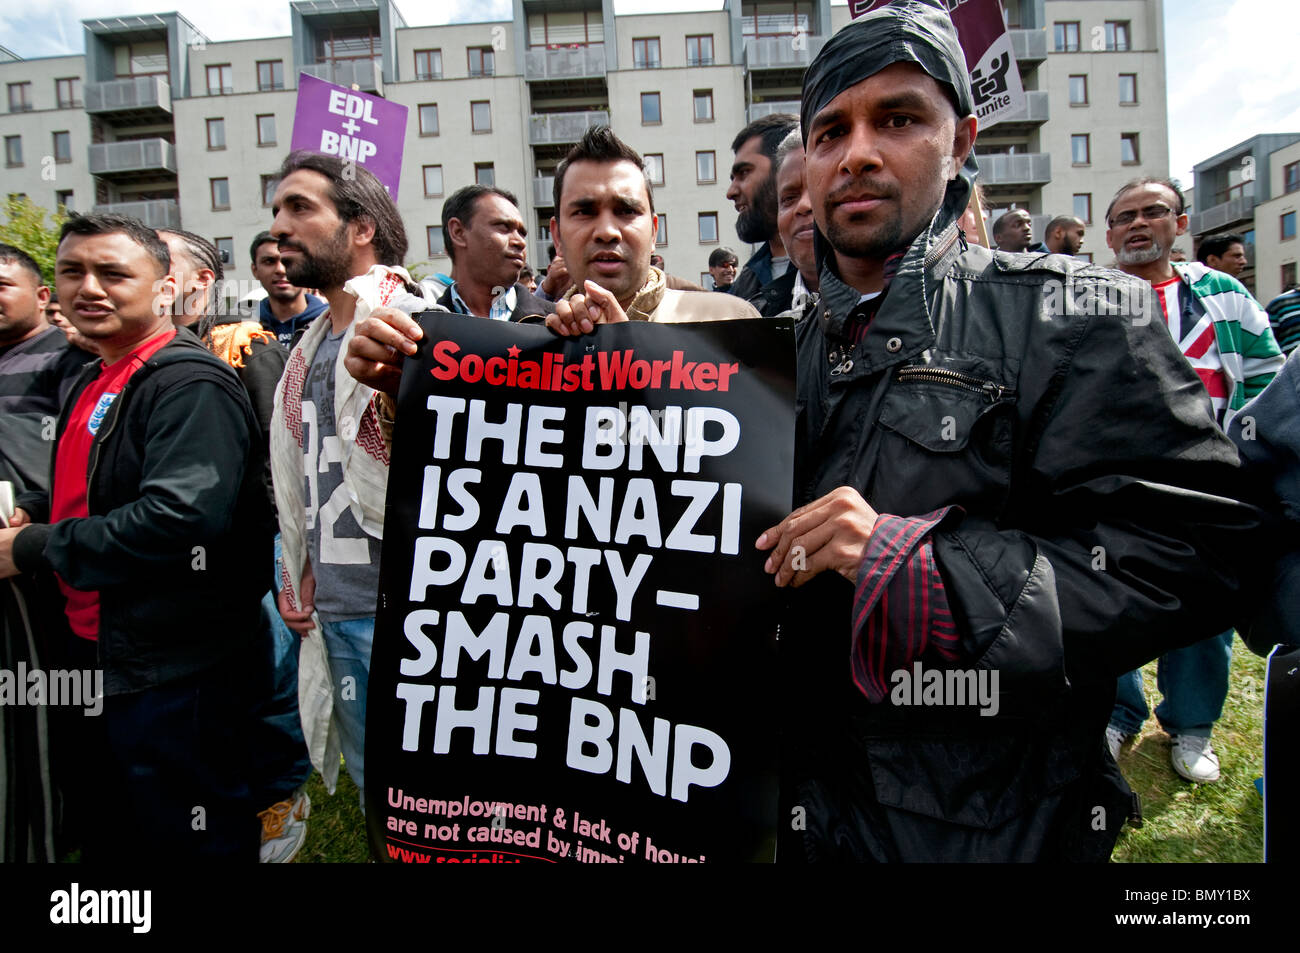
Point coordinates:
pixel 1007 458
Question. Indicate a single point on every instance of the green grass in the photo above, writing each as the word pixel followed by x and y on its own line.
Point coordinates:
pixel 1221 822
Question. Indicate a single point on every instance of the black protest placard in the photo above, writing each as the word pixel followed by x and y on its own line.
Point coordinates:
pixel 574 643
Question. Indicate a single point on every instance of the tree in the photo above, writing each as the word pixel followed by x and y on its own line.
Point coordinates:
pixel 25 227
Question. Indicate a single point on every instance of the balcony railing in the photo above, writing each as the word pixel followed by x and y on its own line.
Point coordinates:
pixel 578 62
pixel 137 94
pixel 140 155
pixel 364 74
pixel 563 128
pixel 1026 168
pixel 1036 110
pixel 1030 46
pixel 1239 209
pixel 156 213
pixel 782 52
pixel 758 110
pixel 544 191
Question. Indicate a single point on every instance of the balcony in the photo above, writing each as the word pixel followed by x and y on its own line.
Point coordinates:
pixel 156 213
pixel 579 62
pixel 1030 46
pixel 1238 209
pixel 366 75
pixel 758 110
pixel 563 128
pixel 1026 168
pixel 544 191
pixel 782 52
pixel 115 159
pixel 140 97
pixel 1035 113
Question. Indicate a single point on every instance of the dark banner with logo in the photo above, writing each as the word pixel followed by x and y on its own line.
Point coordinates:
pixel 575 636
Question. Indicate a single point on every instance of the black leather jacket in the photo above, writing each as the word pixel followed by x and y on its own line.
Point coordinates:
pixel 179 527
pixel 1097 529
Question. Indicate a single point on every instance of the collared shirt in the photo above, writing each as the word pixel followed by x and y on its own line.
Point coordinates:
pixel 503 305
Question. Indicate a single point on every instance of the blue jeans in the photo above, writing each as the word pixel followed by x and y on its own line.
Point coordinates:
pixel 1194 683
pixel 347 644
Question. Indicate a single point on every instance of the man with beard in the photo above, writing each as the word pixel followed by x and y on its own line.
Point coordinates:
pixel 967 447
pixel 753 191
pixel 339 231
pixel 1065 235
pixel 286 309
pixel 1226 338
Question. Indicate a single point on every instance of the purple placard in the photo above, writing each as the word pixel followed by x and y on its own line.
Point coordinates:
pixel 353 125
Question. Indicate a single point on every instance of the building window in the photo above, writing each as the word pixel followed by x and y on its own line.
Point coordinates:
pixel 645 53
pixel 1288 226
pixel 148 58
pixel 661 236
pixel 650 115
pixel 220 80
pixel 13 151
pixel 20 97
pixel 776 19
pixel 63 147
pixel 63 199
pixel 269 183
pixel 654 166
pixel 1117 36
pixel 428 64
pixel 485 173
pixel 68 92
pixel 216 134
pixel 1291 177
pixel 706 168
pixel 1080 150
pixel 1083 206
pixel 482 61
pixel 270 74
pixel 432 181
pixel 1128 89
pixel 220 189
pixel 1288 275
pixel 226 251
pixel 266 129
pixel 429 119
pixel 708 228
pixel 1128 148
pixel 1079 90
pixel 480 114
pixel 699 50
pixel 1085 255
pixel 704 105
pixel 433 235
pixel 1066 34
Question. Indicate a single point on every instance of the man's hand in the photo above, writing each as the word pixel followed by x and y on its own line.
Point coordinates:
pixel 20 518
pixel 829 533
pixel 300 619
pixel 557 280
pixel 580 314
pixel 377 347
pixel 7 567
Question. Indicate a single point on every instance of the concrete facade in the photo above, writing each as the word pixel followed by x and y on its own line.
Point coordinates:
pixel 1273 253
pixel 541 96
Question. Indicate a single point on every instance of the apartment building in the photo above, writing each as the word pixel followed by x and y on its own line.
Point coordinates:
pixel 158 121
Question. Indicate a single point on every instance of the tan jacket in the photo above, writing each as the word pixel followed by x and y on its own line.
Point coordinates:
pixel 657 302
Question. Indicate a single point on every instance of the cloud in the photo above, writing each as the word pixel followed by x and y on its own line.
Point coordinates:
pixel 1231 75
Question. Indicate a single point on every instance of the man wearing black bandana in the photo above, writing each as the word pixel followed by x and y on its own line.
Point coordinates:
pixel 1013 476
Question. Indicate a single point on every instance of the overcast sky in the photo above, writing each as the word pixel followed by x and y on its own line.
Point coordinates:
pixel 1231 64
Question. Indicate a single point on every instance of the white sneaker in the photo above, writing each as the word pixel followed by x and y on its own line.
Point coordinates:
pixel 284 828
pixel 1194 759
pixel 1114 739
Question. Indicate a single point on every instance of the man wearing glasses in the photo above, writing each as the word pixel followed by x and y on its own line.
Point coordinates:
pixel 1225 336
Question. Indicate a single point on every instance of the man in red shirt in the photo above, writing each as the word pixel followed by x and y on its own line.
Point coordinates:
pixel 154 511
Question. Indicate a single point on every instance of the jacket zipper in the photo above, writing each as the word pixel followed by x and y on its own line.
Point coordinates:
pixel 939 375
